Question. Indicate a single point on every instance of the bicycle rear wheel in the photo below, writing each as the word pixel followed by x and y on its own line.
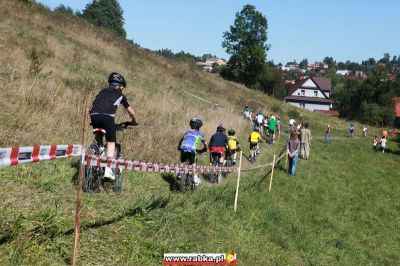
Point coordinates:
pixel 117 185
pixel 93 174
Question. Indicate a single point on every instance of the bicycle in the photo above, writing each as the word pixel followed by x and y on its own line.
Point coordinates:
pixel 187 180
pixel 215 159
pixel 254 152
pixel 94 175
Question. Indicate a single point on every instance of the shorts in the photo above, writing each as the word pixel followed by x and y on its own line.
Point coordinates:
pixel 253 145
pixel 271 131
pixel 215 149
pixel 107 123
pixel 187 155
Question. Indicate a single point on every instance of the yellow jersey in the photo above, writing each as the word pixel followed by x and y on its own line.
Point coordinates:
pixel 255 137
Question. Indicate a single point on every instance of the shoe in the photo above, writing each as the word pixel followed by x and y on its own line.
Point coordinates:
pixel 109 174
pixel 197 180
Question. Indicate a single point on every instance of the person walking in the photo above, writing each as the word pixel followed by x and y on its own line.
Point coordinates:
pixel 327 134
pixel 305 135
pixel 375 143
pixel 293 152
pixel 383 143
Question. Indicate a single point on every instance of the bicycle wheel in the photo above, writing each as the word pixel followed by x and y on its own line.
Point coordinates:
pixel 117 186
pixel 93 174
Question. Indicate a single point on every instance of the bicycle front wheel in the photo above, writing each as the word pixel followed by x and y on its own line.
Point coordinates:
pixel 92 174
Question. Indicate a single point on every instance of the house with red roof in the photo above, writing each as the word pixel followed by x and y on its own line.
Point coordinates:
pixel 312 93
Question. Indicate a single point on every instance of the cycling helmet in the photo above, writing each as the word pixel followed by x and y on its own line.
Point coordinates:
pixel 116 78
pixel 221 128
pixel 231 132
pixel 196 123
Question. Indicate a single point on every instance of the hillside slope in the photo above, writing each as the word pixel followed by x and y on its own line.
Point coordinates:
pixel 340 209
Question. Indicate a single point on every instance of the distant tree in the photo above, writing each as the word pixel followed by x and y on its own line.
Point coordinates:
pixel 303 63
pixel 204 57
pixel 107 14
pixel 65 10
pixel 246 43
pixel 329 61
pixel 341 65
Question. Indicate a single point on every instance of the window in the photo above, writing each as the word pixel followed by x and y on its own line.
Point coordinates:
pixel 316 93
pixel 303 92
pixel 302 105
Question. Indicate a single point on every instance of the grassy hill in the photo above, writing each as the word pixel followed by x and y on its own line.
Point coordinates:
pixel 340 209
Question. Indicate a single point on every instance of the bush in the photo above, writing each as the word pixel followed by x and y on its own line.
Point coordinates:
pixel 294 114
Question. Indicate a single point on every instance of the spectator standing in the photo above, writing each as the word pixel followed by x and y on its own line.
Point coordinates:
pixel 383 143
pixel 375 143
pixel 364 131
pixel 351 130
pixel 305 135
pixel 293 152
pixel 328 134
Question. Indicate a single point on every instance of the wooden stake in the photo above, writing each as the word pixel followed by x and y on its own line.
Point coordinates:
pixel 272 173
pixel 286 162
pixel 79 188
pixel 238 181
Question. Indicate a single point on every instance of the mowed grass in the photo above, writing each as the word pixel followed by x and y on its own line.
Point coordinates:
pixel 340 209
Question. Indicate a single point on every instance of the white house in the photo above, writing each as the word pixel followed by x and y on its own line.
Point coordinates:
pixel 311 93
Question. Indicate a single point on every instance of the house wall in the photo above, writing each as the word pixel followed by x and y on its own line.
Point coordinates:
pixel 309 83
pixel 308 93
pixel 311 106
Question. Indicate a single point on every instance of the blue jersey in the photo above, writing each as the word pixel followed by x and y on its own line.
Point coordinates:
pixel 191 140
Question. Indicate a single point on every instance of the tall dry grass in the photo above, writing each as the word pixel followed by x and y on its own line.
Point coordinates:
pixel 75 59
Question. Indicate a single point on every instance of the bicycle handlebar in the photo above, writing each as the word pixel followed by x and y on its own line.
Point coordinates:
pixel 124 125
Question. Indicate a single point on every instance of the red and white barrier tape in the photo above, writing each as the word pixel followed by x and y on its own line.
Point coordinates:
pixel 144 166
pixel 22 155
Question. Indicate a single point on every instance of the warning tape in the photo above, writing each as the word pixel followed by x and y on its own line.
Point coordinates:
pixel 22 155
pixel 144 166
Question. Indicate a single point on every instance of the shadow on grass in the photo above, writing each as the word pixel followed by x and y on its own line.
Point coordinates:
pixel 75 164
pixel 171 180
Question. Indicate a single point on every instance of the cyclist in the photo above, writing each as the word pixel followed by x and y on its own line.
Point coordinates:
pixel 189 145
pixel 218 142
pixel 233 145
pixel 102 113
pixel 254 139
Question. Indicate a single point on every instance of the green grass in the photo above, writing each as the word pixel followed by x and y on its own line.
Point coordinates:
pixel 340 209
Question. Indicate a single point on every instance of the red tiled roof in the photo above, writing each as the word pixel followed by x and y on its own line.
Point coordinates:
pixel 396 101
pixel 323 83
pixel 308 99
pixel 295 86
pixel 330 112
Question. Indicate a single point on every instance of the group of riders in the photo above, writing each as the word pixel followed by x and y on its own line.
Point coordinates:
pixel 102 115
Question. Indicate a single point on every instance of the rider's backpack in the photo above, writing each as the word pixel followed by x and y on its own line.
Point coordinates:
pixel 190 141
pixel 232 142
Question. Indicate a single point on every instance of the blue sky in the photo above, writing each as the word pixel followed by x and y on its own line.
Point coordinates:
pixel 344 29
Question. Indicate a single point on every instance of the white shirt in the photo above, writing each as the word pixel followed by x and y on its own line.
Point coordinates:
pixel 260 118
pixel 383 143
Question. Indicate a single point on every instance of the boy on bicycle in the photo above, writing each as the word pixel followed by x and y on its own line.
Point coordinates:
pixel 254 139
pixel 233 145
pixel 102 113
pixel 218 143
pixel 189 145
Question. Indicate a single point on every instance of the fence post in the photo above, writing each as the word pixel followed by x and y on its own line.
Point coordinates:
pixel 238 181
pixel 272 173
pixel 79 188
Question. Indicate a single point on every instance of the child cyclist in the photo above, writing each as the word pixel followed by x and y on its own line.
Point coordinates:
pixel 218 143
pixel 254 139
pixel 190 143
pixel 233 145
